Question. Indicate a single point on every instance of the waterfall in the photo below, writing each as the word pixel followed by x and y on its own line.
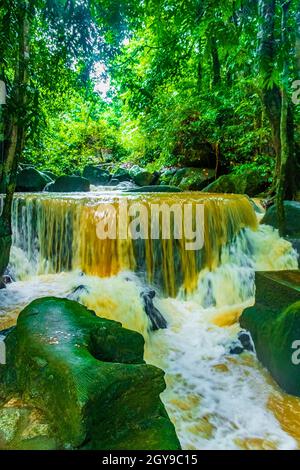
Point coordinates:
pixel 215 400
pixel 60 234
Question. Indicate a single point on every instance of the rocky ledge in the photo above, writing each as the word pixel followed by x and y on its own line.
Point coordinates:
pixel 87 377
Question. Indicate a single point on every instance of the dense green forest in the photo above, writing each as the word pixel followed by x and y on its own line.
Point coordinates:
pixel 160 83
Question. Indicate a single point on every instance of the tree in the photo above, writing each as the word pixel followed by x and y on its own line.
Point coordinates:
pixel 16 113
pixel 68 29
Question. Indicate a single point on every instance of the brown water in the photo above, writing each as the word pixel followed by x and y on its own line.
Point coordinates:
pixel 216 400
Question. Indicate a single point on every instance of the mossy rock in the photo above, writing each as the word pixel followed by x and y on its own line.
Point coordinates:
pixel 31 180
pixel 140 176
pixel 69 184
pixel 292 218
pixel 121 175
pixel 274 324
pixel 250 182
pixel 96 175
pixel 188 179
pixel 88 376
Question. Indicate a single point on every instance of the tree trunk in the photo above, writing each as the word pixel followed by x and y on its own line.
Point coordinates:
pixel 271 95
pixel 285 149
pixel 216 65
pixel 298 41
pixel 17 133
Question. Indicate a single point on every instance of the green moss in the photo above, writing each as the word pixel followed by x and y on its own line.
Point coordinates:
pixel 274 325
pixel 140 176
pixel 250 182
pixel 86 374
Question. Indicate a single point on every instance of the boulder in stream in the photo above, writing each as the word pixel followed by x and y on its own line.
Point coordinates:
pixel 87 376
pixel 187 179
pixel 274 324
pixel 30 180
pixel 69 184
pixel 122 174
pixel 250 182
pixel 140 176
pixel 157 320
pixel 96 175
pixel 292 219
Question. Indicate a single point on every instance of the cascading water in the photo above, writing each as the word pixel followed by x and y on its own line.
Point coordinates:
pixel 216 400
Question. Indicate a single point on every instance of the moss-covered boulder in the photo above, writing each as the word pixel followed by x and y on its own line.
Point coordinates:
pixel 250 182
pixel 140 176
pixel 292 218
pixel 96 175
pixel 87 375
pixel 187 179
pixel 121 175
pixel 274 324
pixel 69 184
pixel 31 180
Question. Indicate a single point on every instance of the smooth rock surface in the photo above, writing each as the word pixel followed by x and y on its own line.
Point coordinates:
pixel 87 375
pixel 274 324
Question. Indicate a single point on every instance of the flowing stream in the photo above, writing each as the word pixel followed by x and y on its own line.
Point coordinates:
pixel 215 399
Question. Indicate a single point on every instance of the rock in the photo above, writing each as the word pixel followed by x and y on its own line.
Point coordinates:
pixel 96 175
pixel 241 344
pixel 114 182
pixel 250 183
pixel 246 341
pixel 69 184
pixel 236 349
pixel 122 174
pixel 77 293
pixel 274 324
pixel 156 189
pixel 140 176
pixel 292 223
pixel 31 180
pixel 50 174
pixel 196 179
pixel 4 280
pixel 157 320
pixel 167 174
pixel 87 375
pixel 188 179
pixel 7 279
pixel 126 186
pixel 296 245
